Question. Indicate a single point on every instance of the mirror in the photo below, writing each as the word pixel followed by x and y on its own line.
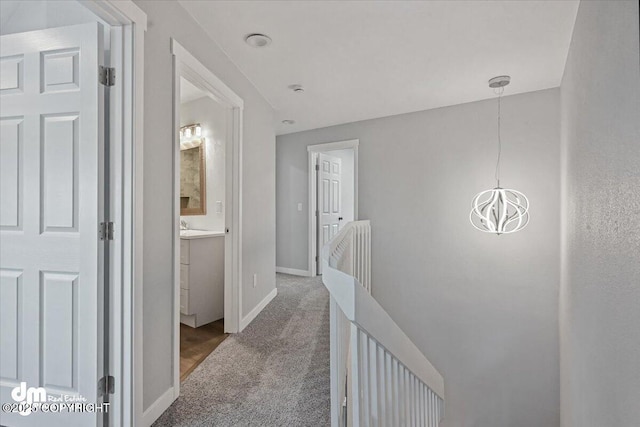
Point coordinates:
pixel 193 193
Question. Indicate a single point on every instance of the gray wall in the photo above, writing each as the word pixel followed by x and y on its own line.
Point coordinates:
pixel 168 19
pixel 292 187
pixel 600 293
pixel 482 308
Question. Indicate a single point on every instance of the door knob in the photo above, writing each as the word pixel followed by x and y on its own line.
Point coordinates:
pixel 339 218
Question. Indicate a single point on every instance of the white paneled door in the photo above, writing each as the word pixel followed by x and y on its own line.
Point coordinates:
pixel 329 199
pixel 51 197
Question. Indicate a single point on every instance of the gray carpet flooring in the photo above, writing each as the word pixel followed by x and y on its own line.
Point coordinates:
pixel 274 373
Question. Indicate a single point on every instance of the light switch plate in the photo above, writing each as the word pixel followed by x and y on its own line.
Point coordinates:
pixel 299 207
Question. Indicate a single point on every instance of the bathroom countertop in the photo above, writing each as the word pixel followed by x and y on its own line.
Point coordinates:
pixel 199 234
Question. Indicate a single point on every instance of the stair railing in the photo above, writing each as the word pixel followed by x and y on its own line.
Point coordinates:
pixel 378 376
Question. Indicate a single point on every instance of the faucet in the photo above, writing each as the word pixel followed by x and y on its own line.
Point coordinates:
pixel 183 225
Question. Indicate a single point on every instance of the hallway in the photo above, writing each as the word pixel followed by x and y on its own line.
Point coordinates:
pixel 274 373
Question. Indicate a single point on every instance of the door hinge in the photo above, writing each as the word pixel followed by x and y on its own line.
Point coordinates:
pixel 107 76
pixel 317 259
pixel 106 230
pixel 107 385
pixel 317 167
pixel 317 212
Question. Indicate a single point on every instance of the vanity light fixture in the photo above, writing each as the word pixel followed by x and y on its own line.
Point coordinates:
pixel 190 131
pixel 499 210
pixel 257 40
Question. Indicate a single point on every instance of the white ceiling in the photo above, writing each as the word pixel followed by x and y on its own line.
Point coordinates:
pixel 364 59
pixel 189 92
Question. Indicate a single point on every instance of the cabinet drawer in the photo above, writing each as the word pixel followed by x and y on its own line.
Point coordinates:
pixel 184 276
pixel 184 251
pixel 184 301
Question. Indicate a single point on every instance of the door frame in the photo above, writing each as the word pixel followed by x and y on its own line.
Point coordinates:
pixel 186 65
pixel 126 110
pixel 313 151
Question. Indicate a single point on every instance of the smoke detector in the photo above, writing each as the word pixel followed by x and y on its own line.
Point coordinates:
pixel 297 88
pixel 257 40
pixel 500 81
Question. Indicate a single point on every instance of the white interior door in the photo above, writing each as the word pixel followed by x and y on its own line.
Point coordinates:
pixel 329 199
pixel 51 257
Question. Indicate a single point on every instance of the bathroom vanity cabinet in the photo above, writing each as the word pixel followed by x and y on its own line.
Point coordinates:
pixel 201 277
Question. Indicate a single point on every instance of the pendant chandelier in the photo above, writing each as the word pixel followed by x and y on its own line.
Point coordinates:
pixel 499 210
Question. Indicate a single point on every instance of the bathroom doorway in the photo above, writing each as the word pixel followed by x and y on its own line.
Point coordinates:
pixel 202 141
pixel 207 154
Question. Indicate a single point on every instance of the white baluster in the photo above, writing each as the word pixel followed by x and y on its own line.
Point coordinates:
pixel 429 409
pixel 381 384
pixel 368 260
pixel 407 398
pixel 354 401
pixel 395 392
pixel 373 382
pixel 419 403
pixel 388 388
pixel 401 406
pixel 434 409
pixel 427 412
pixel 364 369
pixel 436 415
pixel 414 420
pixel 359 251
pixel 335 356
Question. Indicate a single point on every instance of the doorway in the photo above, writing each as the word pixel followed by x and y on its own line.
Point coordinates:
pixel 207 212
pixel 333 194
pixel 202 141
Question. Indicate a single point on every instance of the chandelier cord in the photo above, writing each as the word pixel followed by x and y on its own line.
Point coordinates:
pixel 497 174
pixel 499 210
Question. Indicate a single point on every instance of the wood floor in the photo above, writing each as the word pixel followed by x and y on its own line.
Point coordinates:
pixel 197 343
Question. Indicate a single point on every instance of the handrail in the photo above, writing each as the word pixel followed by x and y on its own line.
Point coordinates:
pixel 362 309
pixel 406 388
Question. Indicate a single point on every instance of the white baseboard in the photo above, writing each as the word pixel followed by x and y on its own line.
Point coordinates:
pixel 156 409
pixel 257 309
pixel 293 271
